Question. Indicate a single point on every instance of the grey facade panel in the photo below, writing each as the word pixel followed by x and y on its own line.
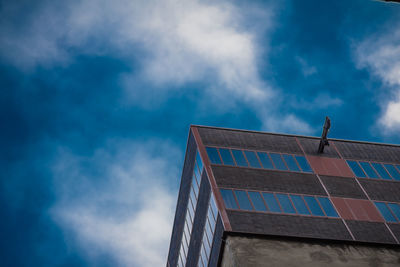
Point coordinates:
pixel 381 190
pixel 265 180
pixel 395 227
pixel 370 232
pixel 217 243
pixel 200 216
pixel 288 225
pixel 183 198
pixel 310 146
pixel 249 140
pixel 343 187
pixel 369 152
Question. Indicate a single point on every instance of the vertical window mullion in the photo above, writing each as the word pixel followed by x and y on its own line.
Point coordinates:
pixel 273 163
pixel 279 203
pixel 251 202
pixel 234 196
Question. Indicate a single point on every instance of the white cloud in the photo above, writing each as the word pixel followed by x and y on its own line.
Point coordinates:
pixel 381 55
pixel 118 201
pixel 287 124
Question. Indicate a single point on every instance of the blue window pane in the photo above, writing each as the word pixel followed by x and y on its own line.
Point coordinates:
pixel 303 163
pixel 314 206
pixel 252 159
pixel 257 200
pixel 229 199
pixel 382 172
pixel 277 159
pixel 291 163
pixel 299 204
pixel 395 209
pixel 226 156
pixel 356 168
pixel 243 200
pixel 240 160
pixel 393 172
pixel 265 160
pixel 328 207
pixel 213 155
pixel 199 162
pixel 368 169
pixel 286 204
pixel 385 212
pixel 271 202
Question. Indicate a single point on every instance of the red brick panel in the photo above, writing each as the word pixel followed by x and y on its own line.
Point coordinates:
pixel 357 209
pixel 329 166
pixel 342 208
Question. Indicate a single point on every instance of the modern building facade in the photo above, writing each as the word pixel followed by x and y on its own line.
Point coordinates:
pixel 262 199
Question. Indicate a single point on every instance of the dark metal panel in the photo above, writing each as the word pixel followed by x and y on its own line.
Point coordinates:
pixel 395 227
pixel 369 152
pixel 181 205
pixel 200 216
pixel 249 140
pixel 287 225
pixel 343 187
pixel 310 146
pixel 381 190
pixel 266 180
pixel 370 232
pixel 217 243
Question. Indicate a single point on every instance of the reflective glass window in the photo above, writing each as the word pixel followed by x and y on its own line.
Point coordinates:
pixel 214 208
pixel 213 155
pixel 206 244
pixel 382 172
pixel 385 212
pixel 226 156
pixel 271 202
pixel 299 204
pixel 195 186
pixel 265 160
pixel 229 199
pixel 368 169
pixel 191 210
pixel 192 195
pixel 252 159
pixel 314 206
pixel 243 200
pixel 239 157
pixel 286 204
pixel 393 172
pixel 203 255
pixel 257 200
pixel 303 163
pixel 328 207
pixel 291 162
pixel 395 209
pixel 277 159
pixel 199 162
pixel 356 168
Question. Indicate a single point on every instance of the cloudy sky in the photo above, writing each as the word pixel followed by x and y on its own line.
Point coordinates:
pixel 97 97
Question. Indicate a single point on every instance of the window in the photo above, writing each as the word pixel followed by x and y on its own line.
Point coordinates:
pixel 368 169
pixel 239 157
pixel 299 204
pixel 243 200
pixel 395 209
pixel 277 159
pixel 291 163
pixel 229 199
pixel 328 207
pixel 271 202
pixel 392 170
pixel 303 164
pixel 226 156
pixel 213 155
pixel 265 160
pixel 356 168
pixel 252 159
pixel 382 172
pixel 257 200
pixel 314 206
pixel 286 204
pixel 383 208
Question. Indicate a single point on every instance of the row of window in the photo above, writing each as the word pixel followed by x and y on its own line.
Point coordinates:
pixel 190 211
pixel 248 158
pixel 375 170
pixel 389 211
pixel 208 233
pixel 281 203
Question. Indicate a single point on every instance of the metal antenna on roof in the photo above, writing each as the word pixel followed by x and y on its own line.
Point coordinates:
pixel 324 140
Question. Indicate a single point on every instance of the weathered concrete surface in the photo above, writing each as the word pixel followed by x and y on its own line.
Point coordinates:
pixel 251 251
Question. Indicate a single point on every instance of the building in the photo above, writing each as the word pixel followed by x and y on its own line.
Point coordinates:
pixel 262 199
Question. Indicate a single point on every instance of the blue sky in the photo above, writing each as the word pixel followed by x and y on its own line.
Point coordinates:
pixel 97 98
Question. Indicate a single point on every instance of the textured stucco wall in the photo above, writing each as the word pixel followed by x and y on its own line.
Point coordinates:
pixel 250 251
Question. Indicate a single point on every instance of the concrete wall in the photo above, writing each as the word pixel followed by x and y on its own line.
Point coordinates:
pixel 250 251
